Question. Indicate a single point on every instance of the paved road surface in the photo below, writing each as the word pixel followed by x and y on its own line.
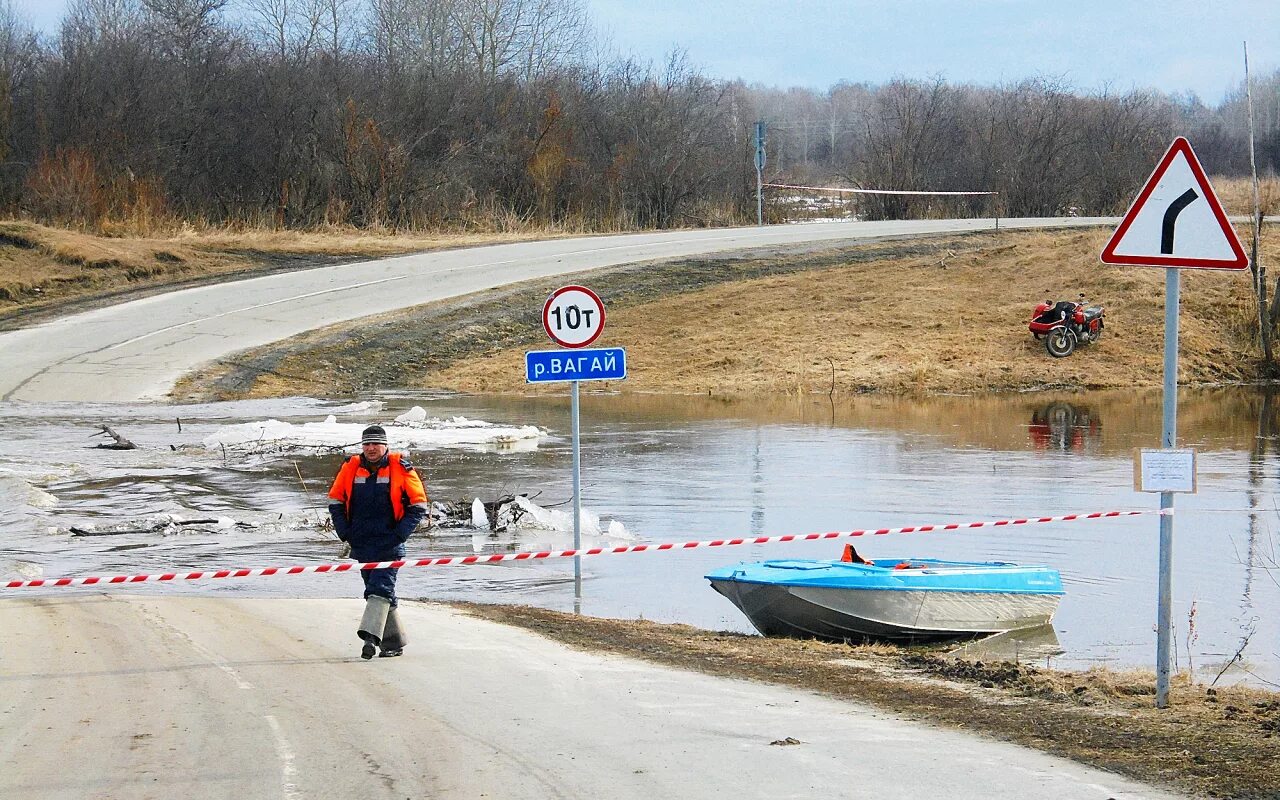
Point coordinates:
pixel 108 696
pixel 137 350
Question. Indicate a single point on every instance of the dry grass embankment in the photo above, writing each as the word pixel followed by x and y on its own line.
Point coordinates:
pixel 952 320
pixel 944 314
pixel 1217 741
pixel 1236 195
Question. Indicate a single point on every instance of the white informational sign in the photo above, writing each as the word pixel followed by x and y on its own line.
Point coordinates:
pixel 1164 471
pixel 573 316
pixel 1176 221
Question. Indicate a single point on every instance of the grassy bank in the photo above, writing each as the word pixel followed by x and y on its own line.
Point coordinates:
pixel 925 315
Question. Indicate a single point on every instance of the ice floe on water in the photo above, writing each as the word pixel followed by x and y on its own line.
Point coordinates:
pixel 479 519
pixel 529 515
pixel 161 524
pixel 412 429
pixel 510 515
pixel 20 491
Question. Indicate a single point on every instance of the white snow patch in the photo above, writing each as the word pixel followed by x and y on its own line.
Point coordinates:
pixel 479 519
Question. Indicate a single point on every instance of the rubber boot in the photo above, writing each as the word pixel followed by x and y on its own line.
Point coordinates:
pixel 393 638
pixel 373 623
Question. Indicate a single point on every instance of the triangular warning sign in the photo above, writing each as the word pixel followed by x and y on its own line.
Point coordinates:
pixel 1177 220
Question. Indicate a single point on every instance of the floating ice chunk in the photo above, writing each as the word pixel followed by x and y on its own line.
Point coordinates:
pixel 536 517
pixel 618 531
pixel 12 485
pixel 39 498
pixel 588 523
pixel 273 435
pixel 415 414
pixel 479 519
pixel 363 407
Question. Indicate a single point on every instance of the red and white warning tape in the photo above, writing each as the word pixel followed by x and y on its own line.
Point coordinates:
pixel 97 580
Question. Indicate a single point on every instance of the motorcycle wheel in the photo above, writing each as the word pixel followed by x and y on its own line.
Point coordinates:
pixel 1060 342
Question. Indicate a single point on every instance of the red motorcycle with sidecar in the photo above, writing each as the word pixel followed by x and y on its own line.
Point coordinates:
pixel 1063 325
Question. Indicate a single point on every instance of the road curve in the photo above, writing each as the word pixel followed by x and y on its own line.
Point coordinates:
pixel 161 697
pixel 137 350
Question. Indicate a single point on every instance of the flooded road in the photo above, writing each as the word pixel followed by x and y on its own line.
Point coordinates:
pixel 688 468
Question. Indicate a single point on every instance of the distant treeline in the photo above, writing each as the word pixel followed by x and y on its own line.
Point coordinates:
pixel 508 113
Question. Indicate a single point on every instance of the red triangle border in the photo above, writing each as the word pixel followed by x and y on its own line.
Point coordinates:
pixel 1180 145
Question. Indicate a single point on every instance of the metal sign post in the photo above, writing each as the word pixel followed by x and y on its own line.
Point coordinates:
pixel 577 499
pixel 573 316
pixel 1176 206
pixel 1168 439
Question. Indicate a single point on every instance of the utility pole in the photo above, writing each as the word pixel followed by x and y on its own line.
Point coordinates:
pixel 1265 320
pixel 760 173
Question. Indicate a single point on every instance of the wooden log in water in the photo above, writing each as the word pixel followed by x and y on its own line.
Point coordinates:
pixel 120 443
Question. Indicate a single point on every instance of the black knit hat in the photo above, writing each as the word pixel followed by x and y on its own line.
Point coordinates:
pixel 374 434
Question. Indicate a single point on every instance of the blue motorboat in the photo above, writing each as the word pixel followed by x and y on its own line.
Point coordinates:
pixel 899 600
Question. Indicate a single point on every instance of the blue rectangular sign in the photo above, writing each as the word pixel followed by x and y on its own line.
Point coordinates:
pixel 596 364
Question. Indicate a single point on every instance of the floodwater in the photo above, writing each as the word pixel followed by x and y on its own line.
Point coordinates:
pixel 691 468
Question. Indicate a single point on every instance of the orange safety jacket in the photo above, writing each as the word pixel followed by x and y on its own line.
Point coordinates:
pixel 404 483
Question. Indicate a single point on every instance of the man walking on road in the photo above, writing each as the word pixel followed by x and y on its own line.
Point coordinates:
pixel 377 502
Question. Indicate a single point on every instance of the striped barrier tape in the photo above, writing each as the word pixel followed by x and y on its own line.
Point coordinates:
pixel 106 580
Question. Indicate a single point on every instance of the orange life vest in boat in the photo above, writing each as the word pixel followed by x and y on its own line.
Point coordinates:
pixel 850 556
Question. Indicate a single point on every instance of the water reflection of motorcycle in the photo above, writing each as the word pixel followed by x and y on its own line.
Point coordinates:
pixel 1064 324
pixel 1062 426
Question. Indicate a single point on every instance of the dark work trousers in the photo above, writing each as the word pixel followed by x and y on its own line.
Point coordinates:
pixel 381 582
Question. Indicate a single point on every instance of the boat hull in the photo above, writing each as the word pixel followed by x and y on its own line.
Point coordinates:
pixel 842 602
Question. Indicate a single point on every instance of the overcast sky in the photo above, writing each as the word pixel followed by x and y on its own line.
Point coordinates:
pixel 1171 45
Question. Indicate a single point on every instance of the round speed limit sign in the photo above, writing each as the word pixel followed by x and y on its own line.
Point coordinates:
pixel 573 316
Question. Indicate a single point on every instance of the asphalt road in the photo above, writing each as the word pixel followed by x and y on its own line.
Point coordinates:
pixel 110 696
pixel 137 350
